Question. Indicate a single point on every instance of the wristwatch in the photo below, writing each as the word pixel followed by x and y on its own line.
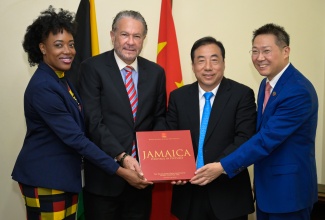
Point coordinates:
pixel 122 159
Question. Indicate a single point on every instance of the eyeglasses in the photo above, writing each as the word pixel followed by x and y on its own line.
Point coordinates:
pixel 267 52
pixel 256 53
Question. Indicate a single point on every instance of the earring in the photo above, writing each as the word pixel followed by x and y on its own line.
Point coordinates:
pixel 43 51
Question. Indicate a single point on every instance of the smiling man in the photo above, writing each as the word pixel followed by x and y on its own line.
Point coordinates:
pixel 283 149
pixel 122 93
pixel 229 124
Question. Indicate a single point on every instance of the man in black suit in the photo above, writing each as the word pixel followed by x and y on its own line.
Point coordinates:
pixel 112 123
pixel 231 123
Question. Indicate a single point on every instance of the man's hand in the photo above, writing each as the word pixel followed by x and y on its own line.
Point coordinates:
pixel 207 174
pixel 129 162
pixel 132 164
pixel 133 178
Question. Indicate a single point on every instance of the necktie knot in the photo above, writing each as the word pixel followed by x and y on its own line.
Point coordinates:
pixel 208 95
pixel 268 87
pixel 128 69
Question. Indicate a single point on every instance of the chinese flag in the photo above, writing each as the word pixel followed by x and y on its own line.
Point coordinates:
pixel 168 58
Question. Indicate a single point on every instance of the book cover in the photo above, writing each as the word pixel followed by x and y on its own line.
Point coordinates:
pixel 166 155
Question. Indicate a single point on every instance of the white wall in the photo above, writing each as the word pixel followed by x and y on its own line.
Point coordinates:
pixel 231 21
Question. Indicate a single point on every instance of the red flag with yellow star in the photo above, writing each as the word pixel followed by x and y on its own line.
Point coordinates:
pixel 168 58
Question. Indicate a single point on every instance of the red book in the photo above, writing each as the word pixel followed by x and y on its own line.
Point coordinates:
pixel 166 155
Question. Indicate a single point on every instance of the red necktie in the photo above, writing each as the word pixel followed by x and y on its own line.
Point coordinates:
pixel 267 94
pixel 133 97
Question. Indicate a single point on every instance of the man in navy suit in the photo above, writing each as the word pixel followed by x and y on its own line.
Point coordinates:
pixel 283 149
pixel 232 122
pixel 111 123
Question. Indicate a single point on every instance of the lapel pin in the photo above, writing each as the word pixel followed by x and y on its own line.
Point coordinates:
pixel 273 93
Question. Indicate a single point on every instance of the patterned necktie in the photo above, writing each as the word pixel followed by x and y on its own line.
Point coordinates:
pixel 203 129
pixel 133 97
pixel 267 94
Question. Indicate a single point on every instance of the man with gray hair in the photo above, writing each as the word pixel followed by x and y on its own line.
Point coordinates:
pixel 122 93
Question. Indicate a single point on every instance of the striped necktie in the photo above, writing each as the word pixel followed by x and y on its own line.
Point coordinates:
pixel 133 97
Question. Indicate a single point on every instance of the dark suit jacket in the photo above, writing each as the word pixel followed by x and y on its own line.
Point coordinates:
pixel 55 140
pixel 283 149
pixel 108 113
pixel 232 122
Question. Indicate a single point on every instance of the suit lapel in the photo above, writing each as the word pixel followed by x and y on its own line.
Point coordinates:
pixel 275 93
pixel 280 84
pixel 193 113
pixel 260 100
pixel 74 102
pixel 117 81
pixel 219 104
pixel 64 86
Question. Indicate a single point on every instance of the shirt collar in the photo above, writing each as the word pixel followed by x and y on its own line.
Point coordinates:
pixel 121 64
pixel 277 77
pixel 214 91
